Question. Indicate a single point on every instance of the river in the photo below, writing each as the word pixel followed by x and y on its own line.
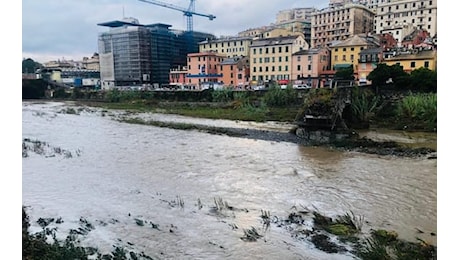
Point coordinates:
pixel 116 174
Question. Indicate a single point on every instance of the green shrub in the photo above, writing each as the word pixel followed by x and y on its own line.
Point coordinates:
pixel 275 96
pixel 222 95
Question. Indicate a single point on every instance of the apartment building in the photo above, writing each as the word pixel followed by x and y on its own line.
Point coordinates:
pixel 339 22
pixel 308 66
pixel 367 62
pixel 401 17
pixel 271 58
pixel 203 68
pixel 91 63
pixel 178 76
pixel 228 46
pixel 412 59
pixel 346 53
pixel 235 72
pixel 295 14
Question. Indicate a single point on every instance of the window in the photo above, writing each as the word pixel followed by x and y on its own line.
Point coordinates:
pixel 412 64
pixel 260 50
pixel 280 49
pixel 427 64
pixel 266 69
pixel 298 58
pixel 352 57
pixel 280 59
pixel 273 68
pixel 231 75
pixel 279 68
pixel 299 68
pixel 287 48
pixel 336 58
pixel 287 58
pixel 255 60
pixel 260 60
pixel 352 49
pixel 260 69
pixel 336 50
pixel 273 50
pixel 254 69
pixel 344 57
pixel 309 66
pixel 344 49
pixel 254 51
pixel 309 57
pixel 286 68
pixel 266 50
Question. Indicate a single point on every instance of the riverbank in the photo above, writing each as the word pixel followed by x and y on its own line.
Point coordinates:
pixel 212 110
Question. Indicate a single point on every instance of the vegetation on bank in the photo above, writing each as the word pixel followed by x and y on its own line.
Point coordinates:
pixel 382 106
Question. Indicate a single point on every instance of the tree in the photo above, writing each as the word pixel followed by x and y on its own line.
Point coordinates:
pixel 423 79
pixel 345 73
pixel 384 74
pixel 30 66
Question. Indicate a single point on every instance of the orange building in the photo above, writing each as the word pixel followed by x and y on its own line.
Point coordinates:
pixel 235 72
pixel 204 68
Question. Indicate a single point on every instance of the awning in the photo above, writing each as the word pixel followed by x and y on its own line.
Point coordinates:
pixel 342 66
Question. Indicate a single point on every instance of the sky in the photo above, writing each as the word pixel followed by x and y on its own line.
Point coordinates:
pixel 68 29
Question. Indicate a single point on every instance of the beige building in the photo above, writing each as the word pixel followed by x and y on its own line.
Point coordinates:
pixel 295 14
pixel 400 17
pixel 228 46
pixel 271 58
pixel 91 63
pixel 339 22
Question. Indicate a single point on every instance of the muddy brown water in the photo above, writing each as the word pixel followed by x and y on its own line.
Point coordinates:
pixel 121 173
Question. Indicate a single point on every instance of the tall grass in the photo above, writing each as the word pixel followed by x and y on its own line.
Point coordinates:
pixel 419 107
pixel 277 97
pixel 364 105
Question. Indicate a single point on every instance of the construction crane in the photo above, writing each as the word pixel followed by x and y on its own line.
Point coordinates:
pixel 188 13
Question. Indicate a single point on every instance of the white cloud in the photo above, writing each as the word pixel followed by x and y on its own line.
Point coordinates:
pixel 69 28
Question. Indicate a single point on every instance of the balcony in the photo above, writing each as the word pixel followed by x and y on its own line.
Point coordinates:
pixel 377 60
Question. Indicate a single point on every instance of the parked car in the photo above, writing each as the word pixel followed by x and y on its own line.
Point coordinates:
pixel 304 86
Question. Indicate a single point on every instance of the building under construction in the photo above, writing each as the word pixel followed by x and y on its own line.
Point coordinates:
pixel 136 55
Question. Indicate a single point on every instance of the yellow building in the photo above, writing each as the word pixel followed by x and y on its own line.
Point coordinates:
pixel 228 46
pixel 271 58
pixel 413 60
pixel 346 53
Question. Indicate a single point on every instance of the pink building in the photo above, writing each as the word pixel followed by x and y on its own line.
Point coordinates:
pixel 308 66
pixel 204 68
pixel 177 76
